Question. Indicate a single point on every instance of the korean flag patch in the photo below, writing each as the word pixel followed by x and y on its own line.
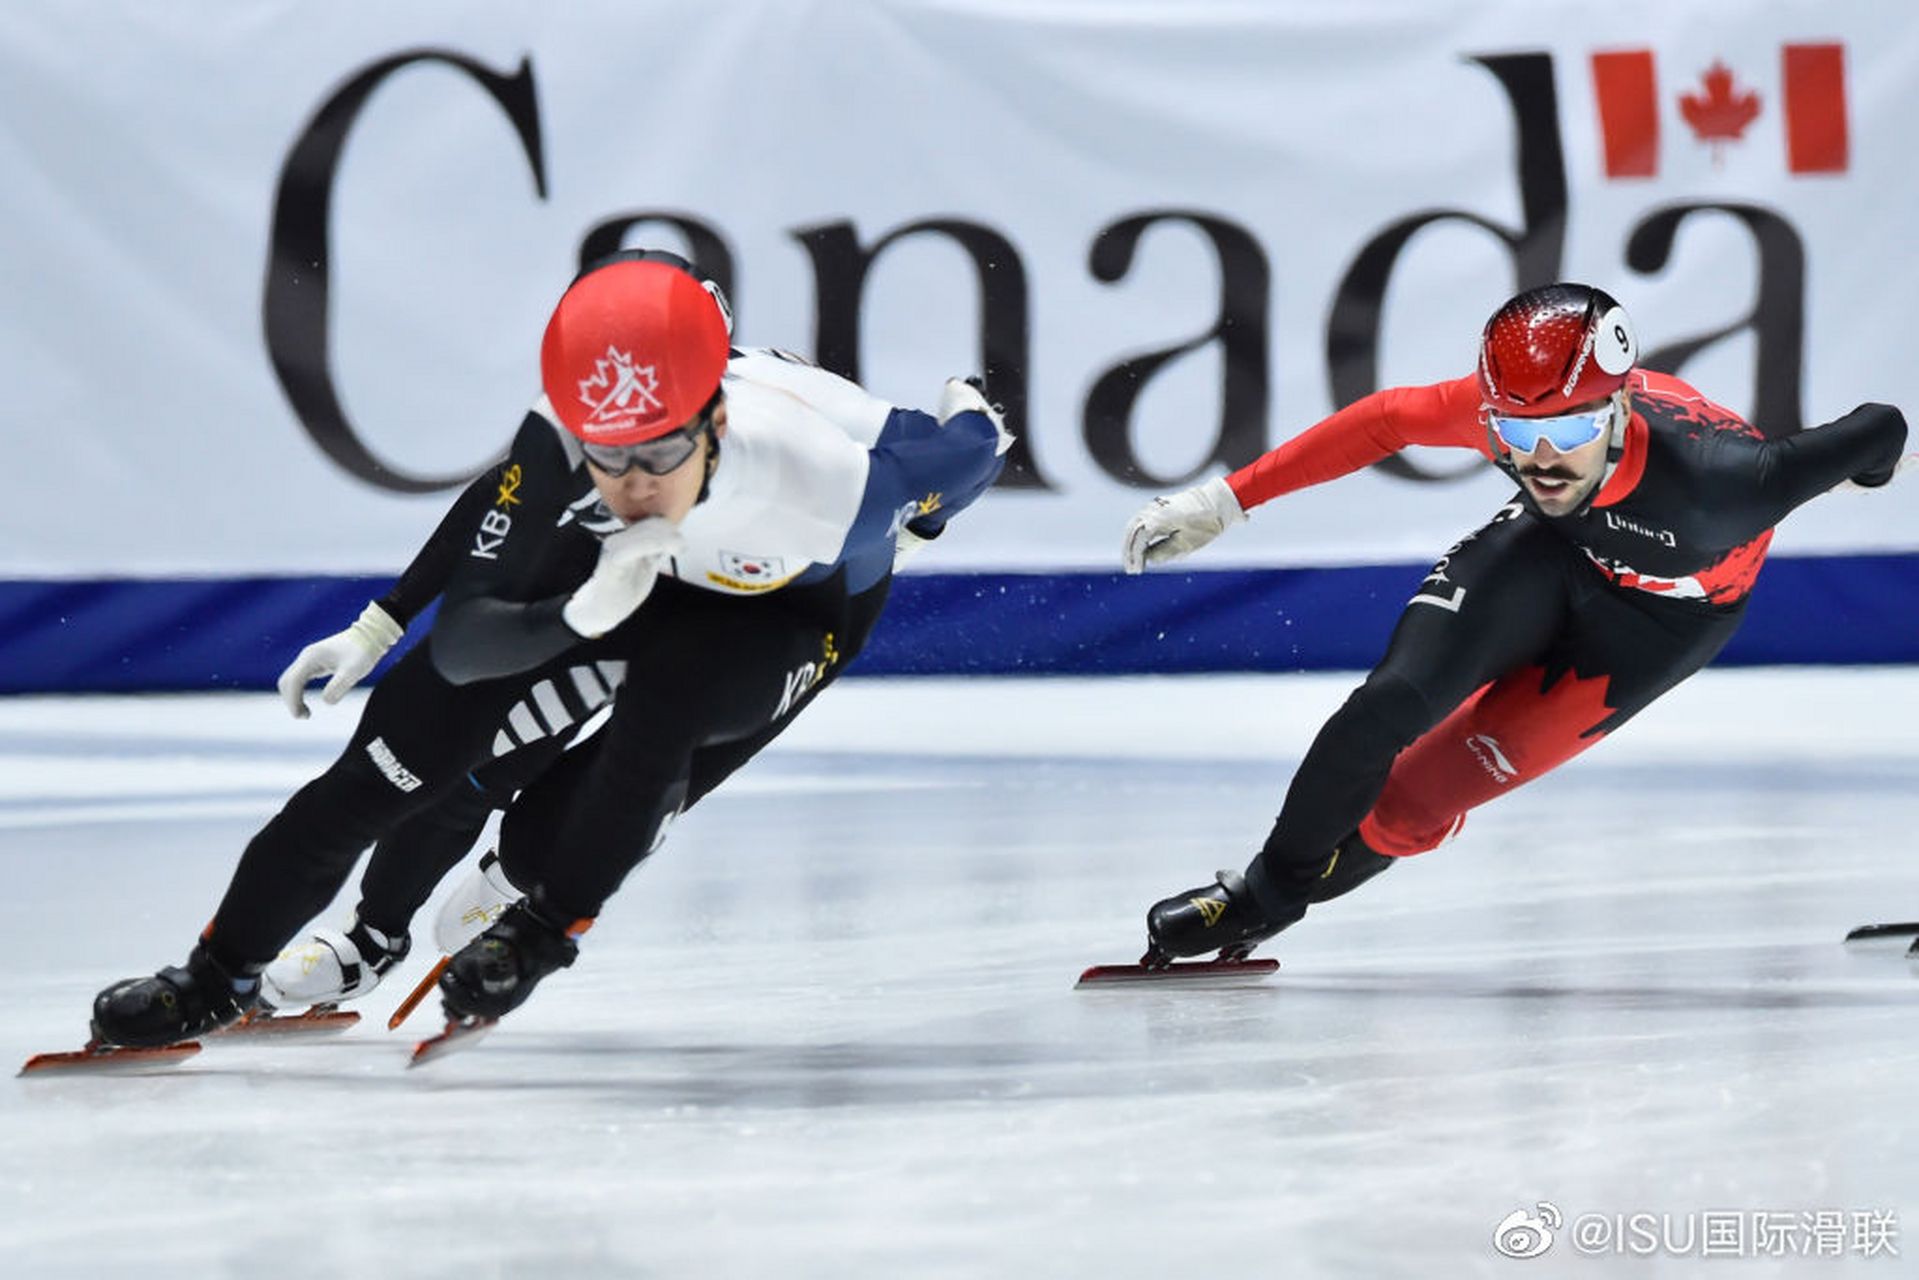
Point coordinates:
pixel 752 568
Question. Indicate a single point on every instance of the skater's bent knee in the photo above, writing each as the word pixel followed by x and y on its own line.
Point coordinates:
pixel 1391 707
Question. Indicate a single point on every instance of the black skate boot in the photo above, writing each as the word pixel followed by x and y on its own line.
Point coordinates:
pixel 1223 916
pixel 1237 913
pixel 175 1004
pixel 494 974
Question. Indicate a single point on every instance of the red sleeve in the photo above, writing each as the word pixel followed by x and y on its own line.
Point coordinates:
pixel 1364 432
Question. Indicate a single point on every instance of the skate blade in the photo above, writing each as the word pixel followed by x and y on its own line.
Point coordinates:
pixel 321 1019
pixel 412 1001
pixel 111 1058
pixel 1883 937
pixel 1195 972
pixel 458 1035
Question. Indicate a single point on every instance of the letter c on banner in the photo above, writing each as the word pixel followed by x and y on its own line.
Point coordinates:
pixel 294 307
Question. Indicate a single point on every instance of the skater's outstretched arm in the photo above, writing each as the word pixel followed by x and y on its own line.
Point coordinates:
pixel 1365 432
pixel 1862 448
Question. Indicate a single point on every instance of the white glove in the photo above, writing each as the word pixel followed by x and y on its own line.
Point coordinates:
pixel 629 565
pixel 1168 528
pixel 348 655
pixel 961 395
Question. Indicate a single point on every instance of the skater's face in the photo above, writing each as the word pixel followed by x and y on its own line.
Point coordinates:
pixel 1559 480
pixel 637 494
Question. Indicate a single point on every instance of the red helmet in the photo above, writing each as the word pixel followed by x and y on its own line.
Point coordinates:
pixel 1554 347
pixel 635 349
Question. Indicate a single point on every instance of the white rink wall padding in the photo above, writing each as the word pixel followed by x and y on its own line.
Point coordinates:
pixel 276 277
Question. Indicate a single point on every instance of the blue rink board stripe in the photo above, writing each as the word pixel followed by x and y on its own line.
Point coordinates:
pixel 144 635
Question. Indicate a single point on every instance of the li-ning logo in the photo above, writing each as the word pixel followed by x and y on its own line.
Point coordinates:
pixel 389 765
pixel 619 388
pixel 1492 759
pixel 1626 525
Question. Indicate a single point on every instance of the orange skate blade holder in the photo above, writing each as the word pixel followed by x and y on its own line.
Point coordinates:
pixel 419 993
pixel 96 1056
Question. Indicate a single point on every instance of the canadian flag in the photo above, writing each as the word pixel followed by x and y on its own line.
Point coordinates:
pixel 1719 108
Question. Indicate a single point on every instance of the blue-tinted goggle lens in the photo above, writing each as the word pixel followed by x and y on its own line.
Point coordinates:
pixel 1565 431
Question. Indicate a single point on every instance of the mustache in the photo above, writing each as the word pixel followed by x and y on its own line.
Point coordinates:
pixel 1549 473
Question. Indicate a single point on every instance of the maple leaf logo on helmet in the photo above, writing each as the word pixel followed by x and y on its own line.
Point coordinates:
pixel 633 350
pixel 619 388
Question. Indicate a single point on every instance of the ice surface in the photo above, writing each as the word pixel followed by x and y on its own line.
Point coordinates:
pixel 831 1031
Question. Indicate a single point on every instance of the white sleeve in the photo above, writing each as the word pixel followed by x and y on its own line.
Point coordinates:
pixel 847 405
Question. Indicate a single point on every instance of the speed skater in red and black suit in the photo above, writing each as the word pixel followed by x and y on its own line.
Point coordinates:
pixel 1621 566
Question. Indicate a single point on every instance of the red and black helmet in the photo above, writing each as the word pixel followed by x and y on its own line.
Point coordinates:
pixel 1554 347
pixel 635 349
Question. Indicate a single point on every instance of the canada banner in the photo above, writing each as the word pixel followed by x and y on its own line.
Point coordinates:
pixel 279 280
pixel 1721 109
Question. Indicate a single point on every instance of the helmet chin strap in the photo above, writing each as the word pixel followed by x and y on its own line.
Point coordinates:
pixel 1616 444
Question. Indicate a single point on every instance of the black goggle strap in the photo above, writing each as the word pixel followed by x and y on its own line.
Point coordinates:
pixel 712 461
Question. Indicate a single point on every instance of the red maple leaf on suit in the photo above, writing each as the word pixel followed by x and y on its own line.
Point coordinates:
pixel 1720 115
